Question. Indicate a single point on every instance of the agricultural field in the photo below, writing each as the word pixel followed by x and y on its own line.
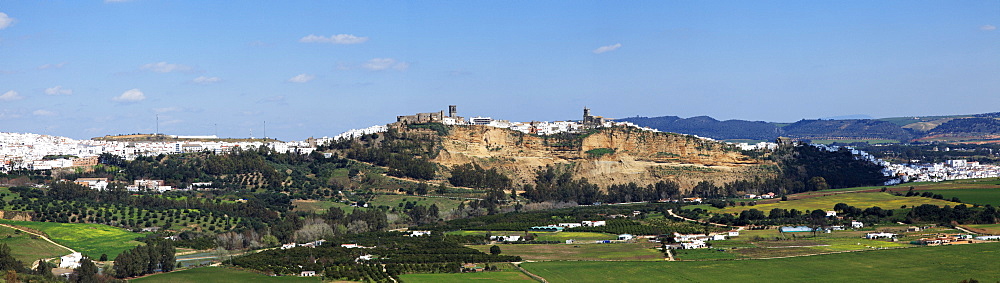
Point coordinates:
pixel 175 219
pixel 973 196
pixel 992 229
pixel 219 274
pixel 443 204
pixel 319 206
pixel 577 237
pixel 493 276
pixel 506 273
pixel 28 248
pixel 860 200
pixel 90 239
pixel 924 264
pixel 624 251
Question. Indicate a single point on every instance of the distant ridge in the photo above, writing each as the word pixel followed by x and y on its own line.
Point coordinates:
pixel 955 128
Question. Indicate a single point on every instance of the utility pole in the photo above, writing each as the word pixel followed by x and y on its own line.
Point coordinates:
pixel 265 130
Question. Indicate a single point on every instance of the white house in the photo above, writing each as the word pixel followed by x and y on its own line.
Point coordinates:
pixel 419 233
pixel 694 245
pixel 307 274
pixel 879 235
pixel 734 233
pixel 718 237
pixel 625 237
pixel 570 225
pixel 594 223
pixel 831 213
pixel 857 224
pixel 71 261
pixel 288 246
pixel 511 238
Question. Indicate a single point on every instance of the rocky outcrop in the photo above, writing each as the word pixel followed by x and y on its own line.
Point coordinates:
pixel 606 156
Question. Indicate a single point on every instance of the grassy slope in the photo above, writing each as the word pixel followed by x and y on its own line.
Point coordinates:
pixel 973 196
pixel 925 264
pixel 860 200
pixel 219 274
pixel 26 249
pixel 90 239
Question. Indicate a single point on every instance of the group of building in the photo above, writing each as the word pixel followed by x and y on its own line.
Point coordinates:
pixel 25 151
pixel 943 171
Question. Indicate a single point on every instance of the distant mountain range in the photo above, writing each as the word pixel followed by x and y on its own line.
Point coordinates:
pixel 977 128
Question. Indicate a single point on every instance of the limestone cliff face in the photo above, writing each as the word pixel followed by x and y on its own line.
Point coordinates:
pixel 605 157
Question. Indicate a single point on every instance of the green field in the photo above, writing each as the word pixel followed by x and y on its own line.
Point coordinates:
pixel 924 264
pixel 319 206
pixel 577 237
pixel 26 248
pixel 640 252
pixel 860 200
pixel 495 276
pixel 443 204
pixel 973 196
pixel 219 274
pixel 90 239
pixel 992 229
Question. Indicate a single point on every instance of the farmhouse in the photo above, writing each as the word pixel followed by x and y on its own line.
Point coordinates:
pixel 593 223
pixel 625 237
pixel 988 238
pixel 570 225
pixel 857 224
pixel 307 274
pixel 511 238
pixel 418 233
pixel 882 235
pixel 694 245
pixel 355 246
pixel 71 261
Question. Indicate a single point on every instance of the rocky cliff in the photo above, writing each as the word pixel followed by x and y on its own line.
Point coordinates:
pixel 605 156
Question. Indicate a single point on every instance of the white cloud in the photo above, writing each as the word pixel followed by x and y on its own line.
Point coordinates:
pixel 379 64
pixel 52 66
pixel 301 78
pixel 132 95
pixel 11 96
pixel 58 90
pixel 5 21
pixel 607 48
pixel 42 112
pixel 164 67
pixel 335 39
pixel 166 109
pixel 206 80
pixel 988 27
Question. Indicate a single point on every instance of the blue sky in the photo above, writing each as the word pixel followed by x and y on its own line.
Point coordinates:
pixel 317 68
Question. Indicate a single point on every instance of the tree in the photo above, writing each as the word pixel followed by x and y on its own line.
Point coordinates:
pixel 87 272
pixel 44 268
pixel 495 250
pixel 104 257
